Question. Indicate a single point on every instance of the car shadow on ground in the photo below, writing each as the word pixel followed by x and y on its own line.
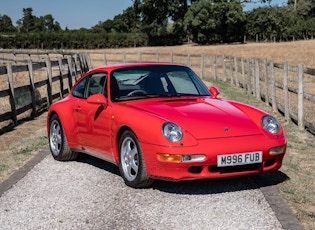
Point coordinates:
pixel 99 163
pixel 199 187
pixel 222 185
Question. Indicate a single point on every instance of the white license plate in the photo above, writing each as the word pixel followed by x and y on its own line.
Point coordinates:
pixel 239 159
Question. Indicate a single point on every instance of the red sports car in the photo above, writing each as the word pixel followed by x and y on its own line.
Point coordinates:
pixel 160 121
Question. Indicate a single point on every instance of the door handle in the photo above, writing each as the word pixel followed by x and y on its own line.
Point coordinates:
pixel 78 109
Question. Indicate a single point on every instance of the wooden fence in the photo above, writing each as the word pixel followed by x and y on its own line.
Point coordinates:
pixel 31 80
pixel 290 90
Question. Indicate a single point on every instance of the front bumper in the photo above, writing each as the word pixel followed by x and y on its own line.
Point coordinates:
pixel 211 148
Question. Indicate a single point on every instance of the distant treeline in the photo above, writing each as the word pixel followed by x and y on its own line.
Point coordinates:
pixel 71 40
pixel 167 22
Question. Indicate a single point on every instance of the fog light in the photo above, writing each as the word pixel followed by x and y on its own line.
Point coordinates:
pixel 277 150
pixel 193 158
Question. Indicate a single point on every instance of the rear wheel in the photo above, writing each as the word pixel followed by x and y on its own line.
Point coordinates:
pixel 131 163
pixel 58 143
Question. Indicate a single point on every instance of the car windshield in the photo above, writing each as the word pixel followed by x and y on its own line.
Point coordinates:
pixel 155 81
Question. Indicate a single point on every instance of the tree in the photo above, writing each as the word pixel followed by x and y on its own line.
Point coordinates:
pixel 50 24
pixel 269 23
pixel 152 15
pixel 215 20
pixel 125 22
pixel 31 23
pixel 27 23
pixel 6 24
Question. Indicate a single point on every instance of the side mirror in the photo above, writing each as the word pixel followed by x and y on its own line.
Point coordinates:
pixel 214 91
pixel 97 99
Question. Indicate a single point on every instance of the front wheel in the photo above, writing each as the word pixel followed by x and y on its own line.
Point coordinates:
pixel 131 163
pixel 58 143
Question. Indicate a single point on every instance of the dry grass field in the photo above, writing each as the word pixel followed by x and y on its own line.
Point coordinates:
pixel 296 180
pixel 299 52
pixel 292 53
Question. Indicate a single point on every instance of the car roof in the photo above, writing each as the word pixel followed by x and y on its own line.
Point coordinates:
pixel 124 65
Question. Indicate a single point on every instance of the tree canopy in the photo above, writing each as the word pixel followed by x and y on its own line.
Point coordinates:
pixel 168 22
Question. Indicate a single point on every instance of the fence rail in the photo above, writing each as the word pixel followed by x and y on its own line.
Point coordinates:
pixel 288 89
pixel 31 80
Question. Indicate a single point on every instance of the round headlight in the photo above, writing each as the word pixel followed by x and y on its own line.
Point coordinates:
pixel 270 124
pixel 172 132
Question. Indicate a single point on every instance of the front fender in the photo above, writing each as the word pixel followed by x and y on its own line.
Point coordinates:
pixel 148 127
pixel 64 111
pixel 256 114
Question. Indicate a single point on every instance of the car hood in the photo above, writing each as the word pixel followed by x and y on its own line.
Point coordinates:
pixel 202 117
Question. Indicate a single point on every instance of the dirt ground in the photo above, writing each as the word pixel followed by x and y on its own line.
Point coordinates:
pixel 20 144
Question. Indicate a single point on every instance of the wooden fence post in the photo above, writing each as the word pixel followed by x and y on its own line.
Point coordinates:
pixel 172 57
pixel 243 73
pixel 60 77
pixel 32 87
pixel 248 81
pixel 286 92
pixel 236 71
pixel 76 73
pixel 300 97
pixel 188 60
pixel 77 64
pixel 88 60
pixel 224 68
pixel 140 56
pixel 231 69
pixel 266 81
pixel 202 64
pixel 253 76
pixel 14 56
pixel 70 73
pixel 257 79
pixel 273 87
pixel 215 67
pixel 105 59
pixel 12 96
pixel 83 62
pixel 49 85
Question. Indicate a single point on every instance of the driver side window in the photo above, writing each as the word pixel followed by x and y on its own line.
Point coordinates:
pixel 93 84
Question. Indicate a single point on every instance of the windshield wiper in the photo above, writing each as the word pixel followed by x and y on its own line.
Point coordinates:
pixel 174 95
pixel 140 78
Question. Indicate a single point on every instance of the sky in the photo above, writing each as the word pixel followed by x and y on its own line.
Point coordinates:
pixel 76 14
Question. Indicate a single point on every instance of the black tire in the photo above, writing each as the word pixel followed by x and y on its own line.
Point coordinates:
pixel 58 143
pixel 131 163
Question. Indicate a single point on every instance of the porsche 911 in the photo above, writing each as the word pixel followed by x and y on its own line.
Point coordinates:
pixel 160 121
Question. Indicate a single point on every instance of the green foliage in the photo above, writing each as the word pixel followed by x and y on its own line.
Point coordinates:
pixel 282 23
pixel 215 21
pixel 166 22
pixel 30 23
pixel 78 39
pixel 6 24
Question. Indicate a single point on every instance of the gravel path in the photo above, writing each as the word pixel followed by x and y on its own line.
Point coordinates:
pixel 90 194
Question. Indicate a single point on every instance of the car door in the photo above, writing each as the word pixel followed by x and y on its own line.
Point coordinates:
pixel 92 121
